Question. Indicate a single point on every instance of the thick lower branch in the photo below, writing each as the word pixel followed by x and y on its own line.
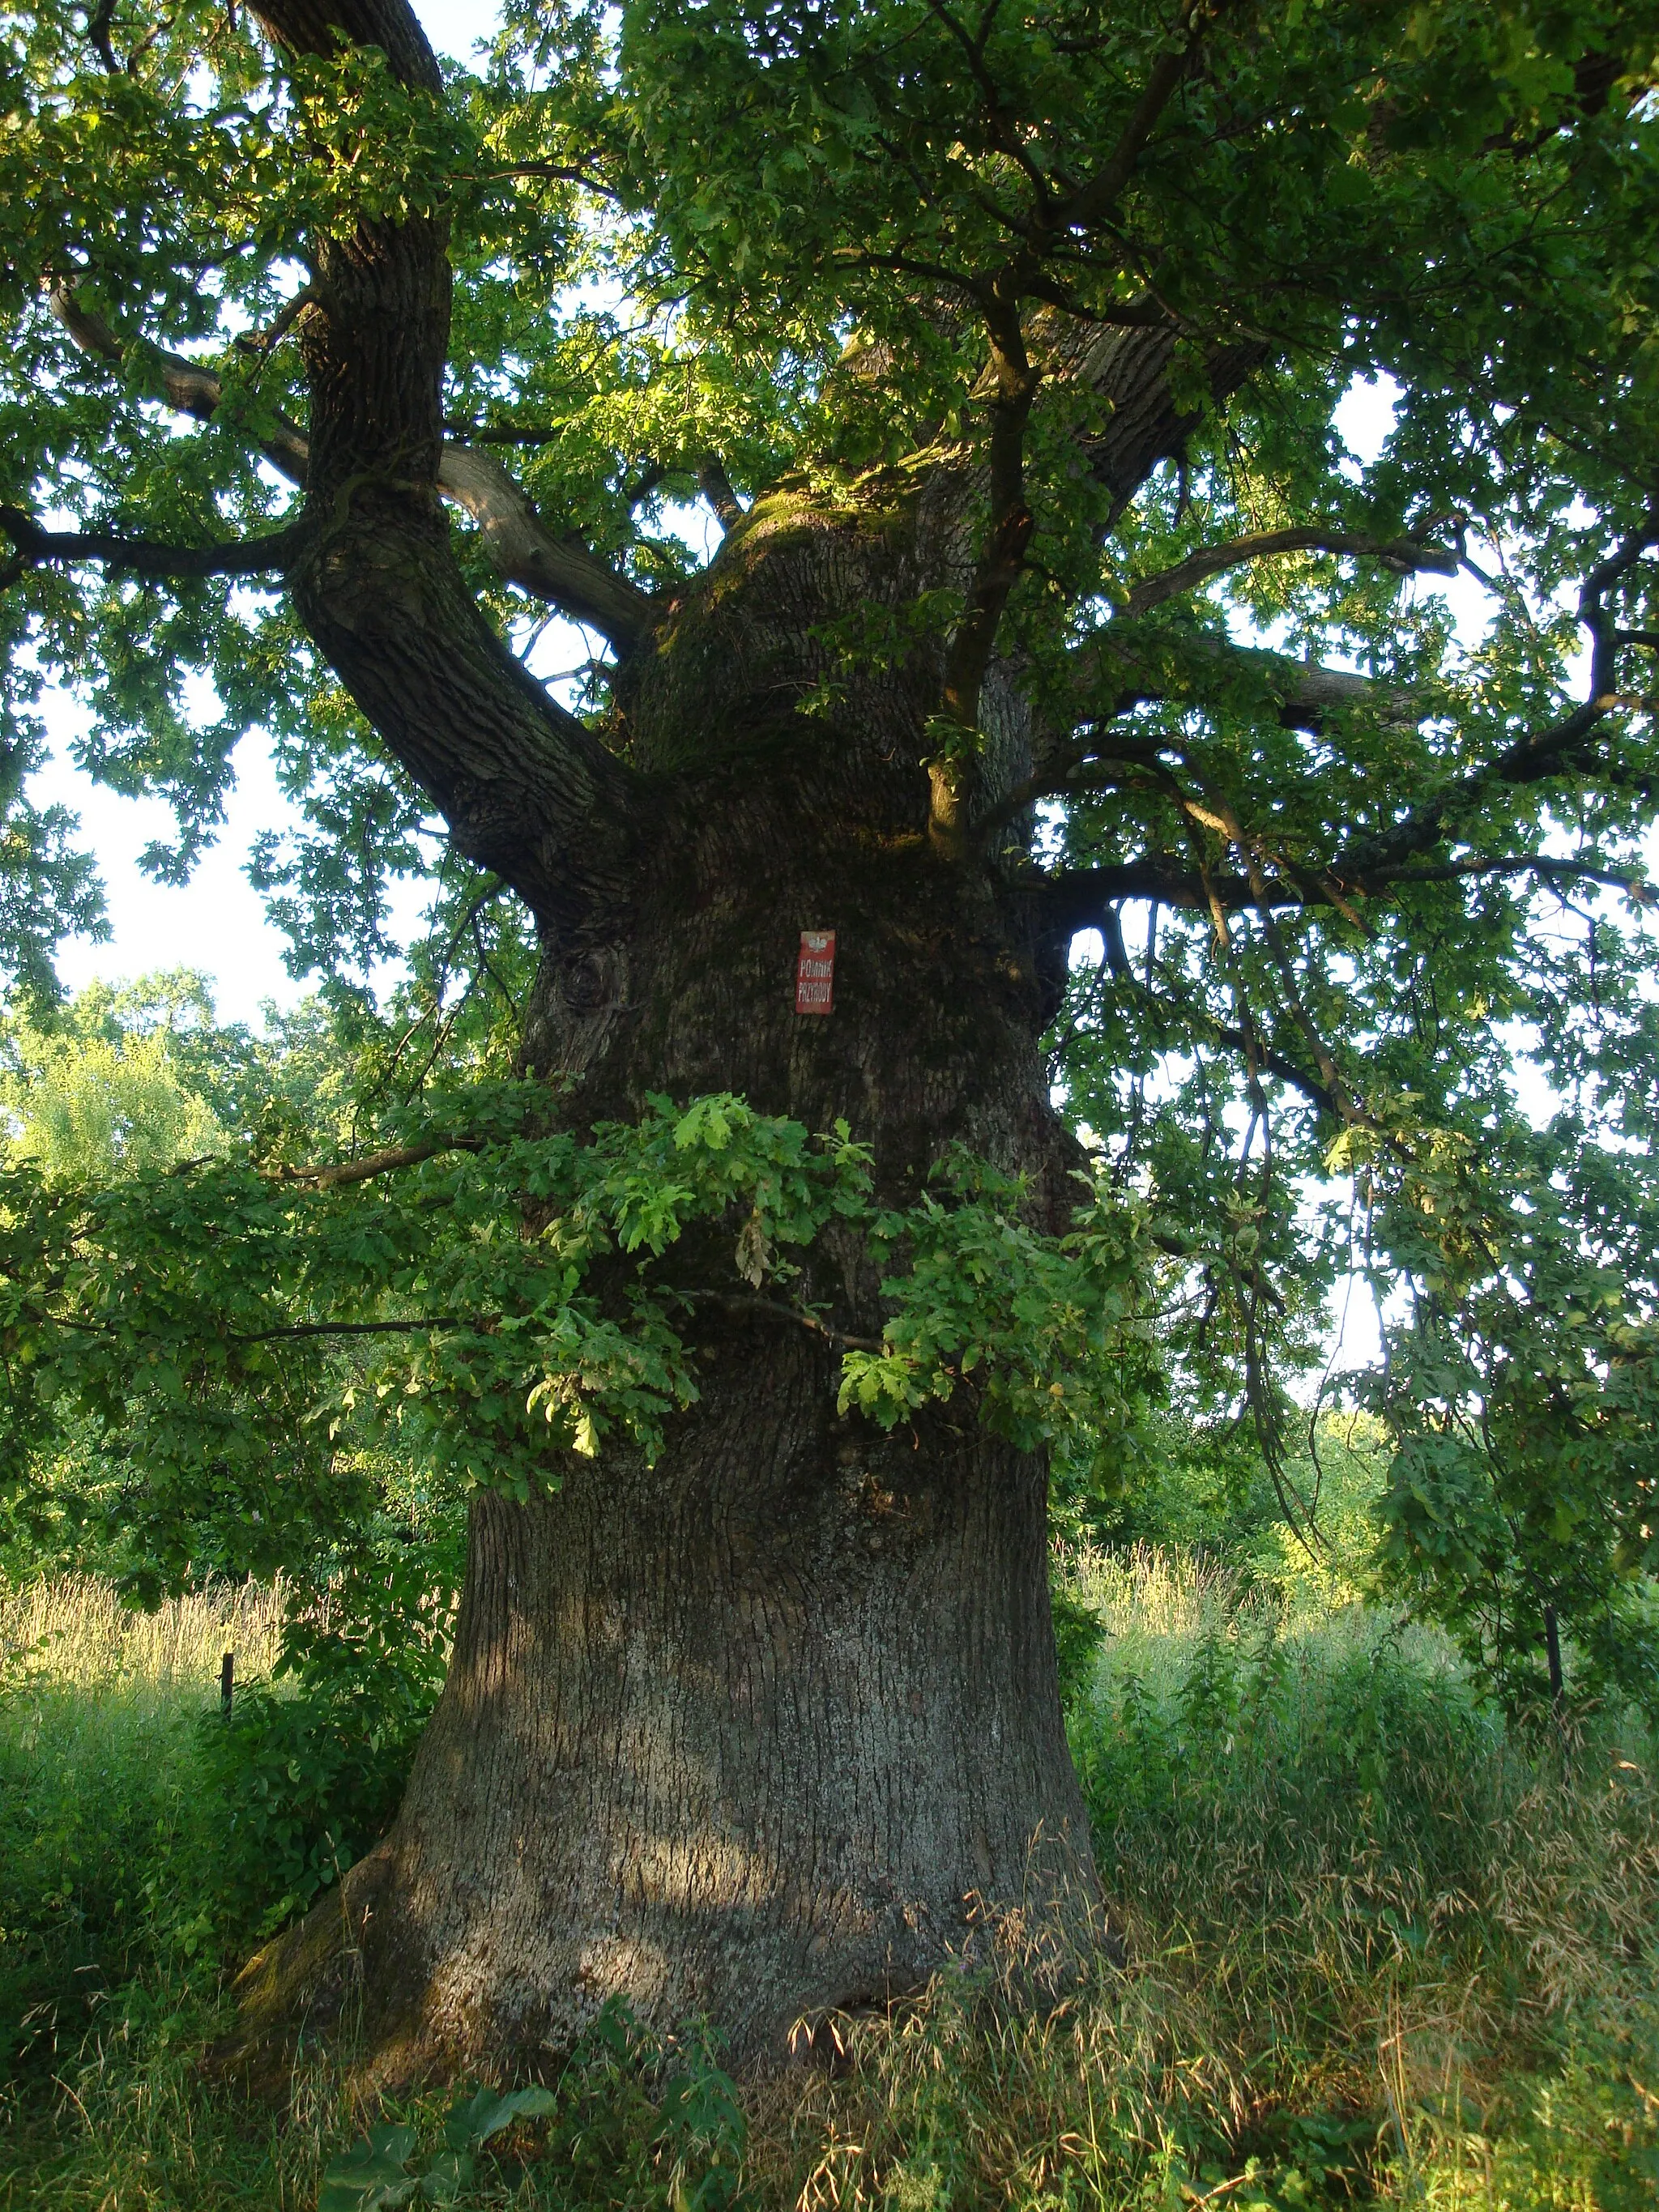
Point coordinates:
pixel 1132 370
pixel 144 556
pixel 524 551
pixel 528 791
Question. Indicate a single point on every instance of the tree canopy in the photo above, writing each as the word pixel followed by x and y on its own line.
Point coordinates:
pixel 1373 990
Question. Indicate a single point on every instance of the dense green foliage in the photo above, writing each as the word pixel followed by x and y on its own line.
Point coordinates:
pixel 1373 986
pixel 177 1316
pixel 309 1765
pixel 197 1295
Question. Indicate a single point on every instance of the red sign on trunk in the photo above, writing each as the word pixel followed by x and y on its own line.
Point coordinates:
pixel 814 972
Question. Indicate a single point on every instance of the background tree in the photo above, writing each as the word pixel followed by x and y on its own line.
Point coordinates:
pixel 103 1090
pixel 1004 347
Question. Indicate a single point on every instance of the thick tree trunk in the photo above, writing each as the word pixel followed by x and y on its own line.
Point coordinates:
pixel 772 1727
pixel 768 1733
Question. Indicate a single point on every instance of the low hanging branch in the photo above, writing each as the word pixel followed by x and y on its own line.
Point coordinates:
pixel 338 1174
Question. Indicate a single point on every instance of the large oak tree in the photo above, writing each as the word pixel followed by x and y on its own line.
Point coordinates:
pixel 1003 346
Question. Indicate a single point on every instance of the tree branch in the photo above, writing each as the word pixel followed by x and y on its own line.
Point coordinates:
pixel 1402 553
pixel 524 551
pixel 1529 759
pixel 733 1301
pixel 246 556
pixel 1085 207
pixel 716 487
pixel 310 1328
pixel 502 434
pixel 260 342
pixel 1547 865
pixel 1130 369
pixel 98 24
pixel 1129 669
pixel 1096 763
pixel 1004 135
pixel 1259 1055
pixel 337 1174
pixel 1077 898
pixel 1002 556
pixel 520 547
pixel 530 793
pixel 1311 692
pixel 185 384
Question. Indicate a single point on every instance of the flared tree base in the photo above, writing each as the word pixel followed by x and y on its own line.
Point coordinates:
pixel 767 1732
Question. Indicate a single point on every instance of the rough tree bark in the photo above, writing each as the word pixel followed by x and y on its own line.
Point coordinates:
pixel 773 1728
pixel 768 1730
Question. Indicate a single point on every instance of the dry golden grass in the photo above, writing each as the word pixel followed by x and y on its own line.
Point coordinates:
pixel 1421 2079
pixel 74 1630
pixel 1416 1964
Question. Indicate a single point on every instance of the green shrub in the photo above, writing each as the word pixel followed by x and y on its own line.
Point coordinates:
pixel 631 2123
pixel 307 1769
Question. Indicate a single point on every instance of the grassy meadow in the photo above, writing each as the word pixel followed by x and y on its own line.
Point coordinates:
pixel 1379 1949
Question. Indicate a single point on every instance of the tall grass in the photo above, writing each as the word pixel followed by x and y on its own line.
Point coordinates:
pixel 104 1838
pixel 1378 1949
pixel 73 1631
